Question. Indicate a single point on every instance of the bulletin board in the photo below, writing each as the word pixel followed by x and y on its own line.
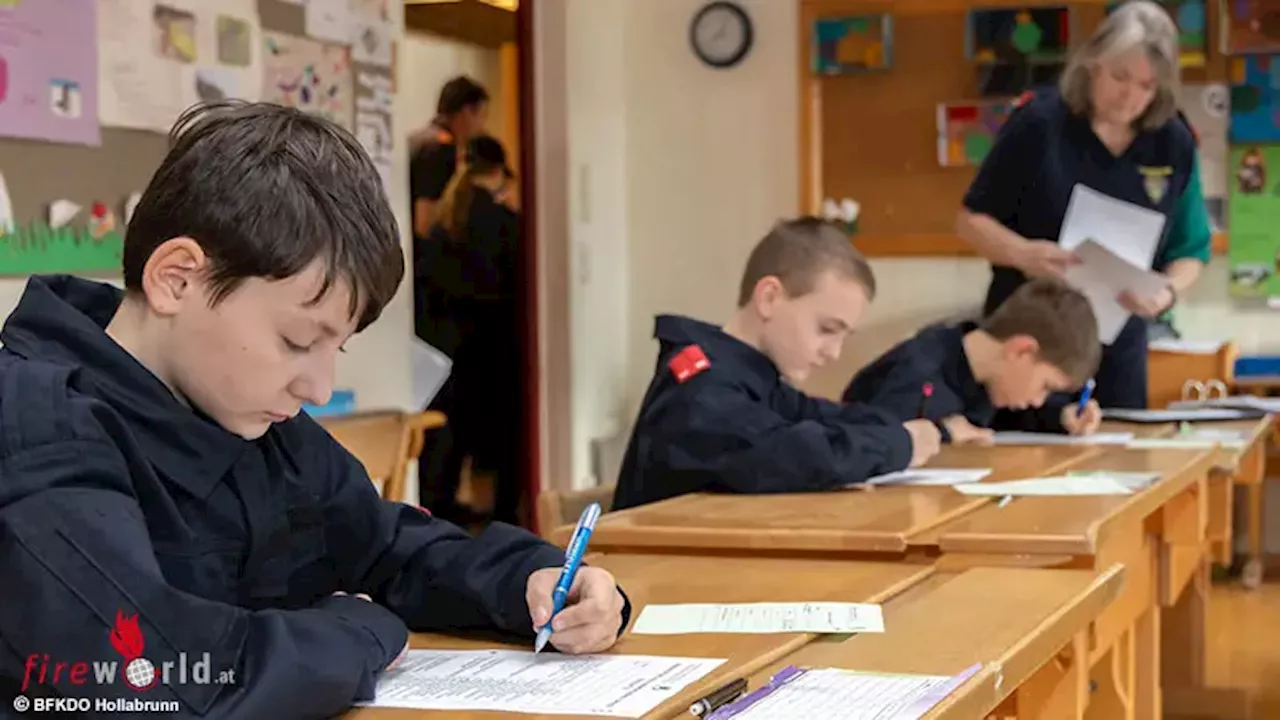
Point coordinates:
pixel 95 182
pixel 873 137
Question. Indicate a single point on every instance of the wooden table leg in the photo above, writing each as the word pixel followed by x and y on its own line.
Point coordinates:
pixel 1252 576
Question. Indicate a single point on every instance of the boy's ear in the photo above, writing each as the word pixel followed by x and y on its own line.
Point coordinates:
pixel 172 274
pixel 1021 346
pixel 768 295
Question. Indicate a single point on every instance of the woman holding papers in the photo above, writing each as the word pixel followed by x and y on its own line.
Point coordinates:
pixel 1112 126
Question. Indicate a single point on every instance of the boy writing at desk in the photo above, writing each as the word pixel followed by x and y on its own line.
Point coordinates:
pixel 160 493
pixel 1042 340
pixel 722 413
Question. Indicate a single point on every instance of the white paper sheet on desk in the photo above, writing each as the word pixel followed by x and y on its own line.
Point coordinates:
pixel 1050 486
pixel 930 476
pixel 1189 347
pixel 760 618
pixel 549 683
pixel 837 693
pixel 1030 438
pixel 1102 276
pixel 1175 415
pixel 1243 402
pixel 1132 480
pixel 1188 441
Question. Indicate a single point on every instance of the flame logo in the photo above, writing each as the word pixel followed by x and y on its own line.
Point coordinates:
pixel 126 637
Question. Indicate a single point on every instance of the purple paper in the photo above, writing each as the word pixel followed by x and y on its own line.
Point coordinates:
pixel 49 71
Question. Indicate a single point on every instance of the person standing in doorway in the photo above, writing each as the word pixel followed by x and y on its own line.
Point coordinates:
pixel 461 113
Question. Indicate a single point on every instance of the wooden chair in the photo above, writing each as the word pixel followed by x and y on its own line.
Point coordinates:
pixel 384 441
pixel 1169 370
pixel 558 509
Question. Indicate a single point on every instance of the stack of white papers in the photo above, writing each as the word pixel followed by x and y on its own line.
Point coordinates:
pixel 1133 480
pixel 1030 438
pixel 812 617
pixel 521 682
pixel 1115 242
pixel 930 476
pixel 1050 486
pixel 795 694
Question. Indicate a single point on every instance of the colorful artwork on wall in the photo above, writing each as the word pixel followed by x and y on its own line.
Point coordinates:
pixel 1193 32
pixel 1207 107
pixel 852 44
pixel 967 130
pixel 1255 98
pixel 1017 49
pixel 1253 206
pixel 1249 26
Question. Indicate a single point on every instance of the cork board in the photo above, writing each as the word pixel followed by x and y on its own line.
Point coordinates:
pixel 873 137
pixel 37 173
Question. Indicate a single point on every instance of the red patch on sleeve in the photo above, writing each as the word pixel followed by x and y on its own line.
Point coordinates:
pixel 424 511
pixel 1024 98
pixel 688 362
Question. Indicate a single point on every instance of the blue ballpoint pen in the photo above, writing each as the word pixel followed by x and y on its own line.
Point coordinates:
pixel 1084 396
pixel 572 559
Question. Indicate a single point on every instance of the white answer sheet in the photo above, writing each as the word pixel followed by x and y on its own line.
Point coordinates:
pixel 1031 438
pixel 803 617
pixel 930 476
pixel 1102 276
pixel 549 683
pixel 845 694
pixel 1050 486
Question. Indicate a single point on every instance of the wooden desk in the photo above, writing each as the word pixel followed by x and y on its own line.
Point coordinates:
pixel 676 579
pixel 1028 627
pixel 837 524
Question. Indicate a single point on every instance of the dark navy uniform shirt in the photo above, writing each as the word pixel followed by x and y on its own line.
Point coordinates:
pixel 1044 150
pixel 433 164
pixel 895 381
pixel 118 501
pixel 718 417
pixel 1026 181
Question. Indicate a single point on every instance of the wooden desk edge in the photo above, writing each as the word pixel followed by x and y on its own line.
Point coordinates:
pixel 989 687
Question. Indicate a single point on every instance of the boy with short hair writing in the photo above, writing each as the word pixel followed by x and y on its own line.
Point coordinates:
pixel 1043 340
pixel 722 413
pixel 161 495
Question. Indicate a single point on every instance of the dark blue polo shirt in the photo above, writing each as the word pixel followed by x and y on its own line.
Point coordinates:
pixel 1044 150
pixel 718 417
pixel 121 506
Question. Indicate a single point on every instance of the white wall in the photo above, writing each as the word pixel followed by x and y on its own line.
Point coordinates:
pixel 710 163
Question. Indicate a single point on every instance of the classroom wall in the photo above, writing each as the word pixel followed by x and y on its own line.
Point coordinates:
pixel 711 161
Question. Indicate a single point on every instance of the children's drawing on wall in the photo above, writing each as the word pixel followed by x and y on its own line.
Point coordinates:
pixel 1255 236
pixel 234 41
pixel 174 33
pixel 372 30
pixel 1255 99
pixel 1017 49
pixel 1252 174
pixel 309 75
pixel 68 240
pixel 1250 26
pixel 49 71
pixel 852 44
pixel 215 84
pixel 967 130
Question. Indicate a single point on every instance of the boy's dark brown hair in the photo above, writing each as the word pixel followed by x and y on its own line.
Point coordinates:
pixel 459 94
pixel 267 191
pixel 1059 318
pixel 798 251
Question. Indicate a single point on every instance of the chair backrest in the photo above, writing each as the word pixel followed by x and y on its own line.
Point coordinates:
pixel 1168 371
pixel 558 509
pixel 384 441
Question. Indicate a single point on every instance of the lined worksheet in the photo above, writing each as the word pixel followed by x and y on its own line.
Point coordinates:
pixel 550 683
pixel 831 693
pixel 1051 486
pixel 809 617
pixel 930 476
pixel 1031 438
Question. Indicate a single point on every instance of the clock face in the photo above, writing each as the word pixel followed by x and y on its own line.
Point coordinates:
pixel 721 34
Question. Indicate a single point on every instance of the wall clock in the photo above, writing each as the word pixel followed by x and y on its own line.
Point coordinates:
pixel 721 34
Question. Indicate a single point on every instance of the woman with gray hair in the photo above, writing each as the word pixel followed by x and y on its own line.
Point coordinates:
pixel 1113 126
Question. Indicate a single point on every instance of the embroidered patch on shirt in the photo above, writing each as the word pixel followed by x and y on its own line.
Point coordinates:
pixel 688 362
